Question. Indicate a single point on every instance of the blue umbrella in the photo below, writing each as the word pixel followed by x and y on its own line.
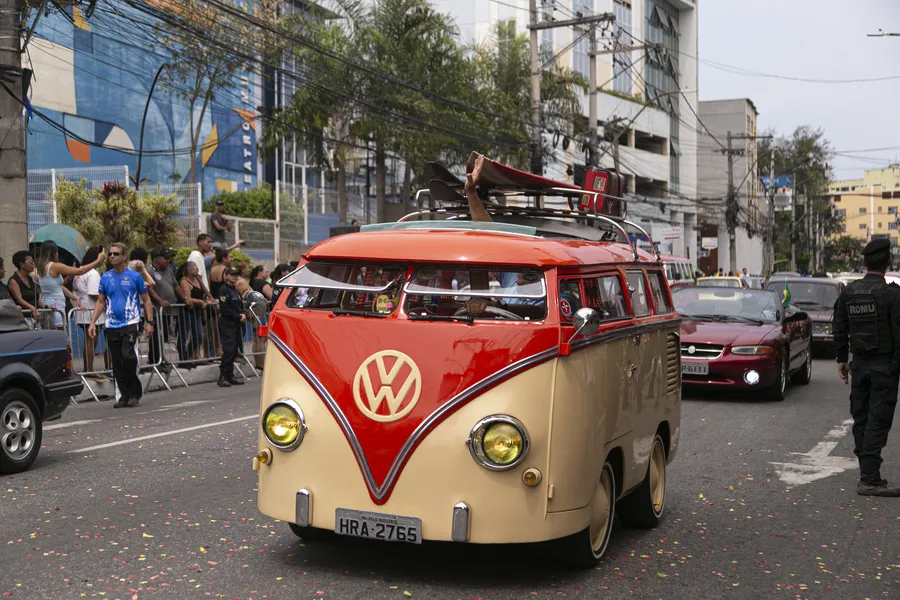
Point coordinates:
pixel 66 238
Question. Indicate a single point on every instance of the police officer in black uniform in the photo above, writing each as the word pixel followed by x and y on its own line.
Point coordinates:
pixel 867 323
pixel 231 319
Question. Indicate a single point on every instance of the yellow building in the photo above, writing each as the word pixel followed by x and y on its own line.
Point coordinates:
pixel 869 205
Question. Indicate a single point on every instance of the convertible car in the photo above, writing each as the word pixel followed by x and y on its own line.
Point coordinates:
pixel 742 339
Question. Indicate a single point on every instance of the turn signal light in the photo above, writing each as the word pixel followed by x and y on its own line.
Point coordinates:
pixel 754 350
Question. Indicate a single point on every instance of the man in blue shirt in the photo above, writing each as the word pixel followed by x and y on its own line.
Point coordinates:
pixel 120 288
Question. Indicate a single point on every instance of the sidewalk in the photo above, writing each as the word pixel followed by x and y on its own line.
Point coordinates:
pixel 201 374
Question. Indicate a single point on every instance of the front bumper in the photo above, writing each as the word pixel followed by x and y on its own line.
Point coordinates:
pixel 58 395
pixel 728 371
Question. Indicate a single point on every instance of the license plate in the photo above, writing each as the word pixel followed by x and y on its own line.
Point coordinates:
pixel 694 368
pixel 377 526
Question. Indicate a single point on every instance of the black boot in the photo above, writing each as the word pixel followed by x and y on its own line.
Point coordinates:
pixel 878 489
pixel 234 381
pixel 223 382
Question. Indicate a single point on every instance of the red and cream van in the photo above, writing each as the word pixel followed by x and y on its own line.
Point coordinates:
pixel 512 378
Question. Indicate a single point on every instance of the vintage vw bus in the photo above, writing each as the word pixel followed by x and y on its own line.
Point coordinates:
pixel 514 378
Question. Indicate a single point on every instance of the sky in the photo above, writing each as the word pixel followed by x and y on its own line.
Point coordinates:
pixel 813 39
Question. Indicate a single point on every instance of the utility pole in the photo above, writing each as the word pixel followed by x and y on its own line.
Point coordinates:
pixel 770 264
pixel 731 209
pixel 795 195
pixel 13 182
pixel 536 158
pixel 592 104
pixel 579 23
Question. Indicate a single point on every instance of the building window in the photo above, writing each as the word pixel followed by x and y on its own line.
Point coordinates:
pixel 841 212
pixel 880 225
pixel 879 209
pixel 862 225
pixel 892 210
pixel 622 60
pixel 892 225
pixel 580 60
pixel 862 210
pixel 661 72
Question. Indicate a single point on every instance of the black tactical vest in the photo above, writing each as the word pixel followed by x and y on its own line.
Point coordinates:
pixel 869 318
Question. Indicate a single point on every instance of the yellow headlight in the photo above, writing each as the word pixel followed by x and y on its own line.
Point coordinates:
pixel 283 426
pixel 502 443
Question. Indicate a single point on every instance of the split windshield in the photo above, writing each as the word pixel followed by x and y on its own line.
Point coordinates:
pixel 476 294
pixel 727 304
pixel 433 294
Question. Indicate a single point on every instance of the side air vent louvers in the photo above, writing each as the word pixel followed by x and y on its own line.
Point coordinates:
pixel 673 364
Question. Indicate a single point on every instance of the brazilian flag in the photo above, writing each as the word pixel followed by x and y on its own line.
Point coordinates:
pixel 785 295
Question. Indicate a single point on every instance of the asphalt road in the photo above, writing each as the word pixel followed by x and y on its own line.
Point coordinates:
pixel 761 503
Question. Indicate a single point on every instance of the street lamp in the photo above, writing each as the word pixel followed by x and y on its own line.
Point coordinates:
pixel 137 175
pixel 881 33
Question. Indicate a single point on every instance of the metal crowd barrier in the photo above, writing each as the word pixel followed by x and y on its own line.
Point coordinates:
pixel 45 318
pixel 86 349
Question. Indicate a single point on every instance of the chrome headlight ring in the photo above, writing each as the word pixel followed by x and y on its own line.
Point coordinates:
pixel 295 408
pixel 474 442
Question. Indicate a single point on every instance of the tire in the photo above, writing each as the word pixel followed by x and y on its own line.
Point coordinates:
pixel 804 375
pixel 644 507
pixel 311 534
pixel 779 388
pixel 587 547
pixel 20 431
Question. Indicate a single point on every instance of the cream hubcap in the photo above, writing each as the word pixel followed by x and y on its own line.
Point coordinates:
pixel 601 512
pixel 658 477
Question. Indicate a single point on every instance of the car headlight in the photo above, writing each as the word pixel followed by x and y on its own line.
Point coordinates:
pixel 498 442
pixel 283 424
pixel 753 350
pixel 822 328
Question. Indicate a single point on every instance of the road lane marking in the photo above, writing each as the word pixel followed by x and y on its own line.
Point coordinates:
pixel 69 424
pixel 818 462
pixel 187 404
pixel 159 435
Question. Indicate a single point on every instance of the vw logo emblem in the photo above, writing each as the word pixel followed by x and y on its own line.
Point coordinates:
pixel 370 398
pixel 691 349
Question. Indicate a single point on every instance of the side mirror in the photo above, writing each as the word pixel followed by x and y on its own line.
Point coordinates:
pixel 587 321
pixel 797 316
pixel 258 306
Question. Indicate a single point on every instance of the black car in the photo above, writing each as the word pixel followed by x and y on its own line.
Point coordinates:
pixel 36 385
pixel 816 297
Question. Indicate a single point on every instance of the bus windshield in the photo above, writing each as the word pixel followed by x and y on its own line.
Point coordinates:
pixel 350 289
pixel 470 294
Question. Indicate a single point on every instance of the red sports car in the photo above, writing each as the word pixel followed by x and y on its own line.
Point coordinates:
pixel 742 338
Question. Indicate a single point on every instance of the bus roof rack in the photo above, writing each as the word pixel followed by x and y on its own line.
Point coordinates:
pixel 588 209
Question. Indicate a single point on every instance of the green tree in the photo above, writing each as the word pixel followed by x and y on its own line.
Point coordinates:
pixel 158 221
pixel 256 203
pixel 805 155
pixel 75 208
pixel 198 41
pixel 117 208
pixel 844 253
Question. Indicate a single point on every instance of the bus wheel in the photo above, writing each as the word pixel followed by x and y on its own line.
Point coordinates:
pixel 311 534
pixel 587 547
pixel 644 507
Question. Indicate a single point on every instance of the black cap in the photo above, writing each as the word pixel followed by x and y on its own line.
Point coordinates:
pixel 219 202
pixel 230 271
pixel 877 246
pixel 167 252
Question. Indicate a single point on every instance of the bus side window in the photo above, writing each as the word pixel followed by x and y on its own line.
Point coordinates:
pixel 661 304
pixel 638 293
pixel 604 294
pixel 569 298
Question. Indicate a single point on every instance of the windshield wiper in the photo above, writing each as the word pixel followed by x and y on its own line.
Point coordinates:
pixel 808 303
pixel 341 312
pixel 748 319
pixel 706 317
pixel 463 318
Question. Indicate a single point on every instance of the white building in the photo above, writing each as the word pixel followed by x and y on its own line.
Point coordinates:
pixel 738 116
pixel 658 152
